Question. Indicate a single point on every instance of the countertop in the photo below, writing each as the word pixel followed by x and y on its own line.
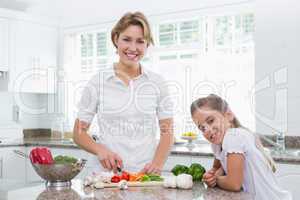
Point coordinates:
pixel 198 149
pixel 77 191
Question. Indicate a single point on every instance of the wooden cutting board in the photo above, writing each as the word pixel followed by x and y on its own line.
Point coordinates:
pixel 135 184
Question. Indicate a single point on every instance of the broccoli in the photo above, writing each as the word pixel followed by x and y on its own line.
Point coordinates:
pixel 180 169
pixel 196 171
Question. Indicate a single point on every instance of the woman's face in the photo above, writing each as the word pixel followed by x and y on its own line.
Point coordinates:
pixel 131 45
pixel 212 123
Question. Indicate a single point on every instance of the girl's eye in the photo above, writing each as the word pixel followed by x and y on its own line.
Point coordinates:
pixel 141 41
pixel 210 121
pixel 202 128
pixel 126 39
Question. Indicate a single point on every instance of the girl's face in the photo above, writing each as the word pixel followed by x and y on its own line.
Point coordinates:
pixel 131 45
pixel 212 123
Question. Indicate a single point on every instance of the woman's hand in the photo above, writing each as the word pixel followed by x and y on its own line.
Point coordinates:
pixel 109 160
pixel 152 168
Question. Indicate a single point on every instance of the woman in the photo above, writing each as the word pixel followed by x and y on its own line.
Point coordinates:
pixel 128 100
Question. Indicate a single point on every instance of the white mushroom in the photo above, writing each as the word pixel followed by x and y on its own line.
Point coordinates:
pixel 170 182
pixel 184 181
pixel 88 180
pixel 123 185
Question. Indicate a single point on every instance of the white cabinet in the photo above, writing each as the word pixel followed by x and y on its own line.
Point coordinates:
pixel 4 44
pixel 12 166
pixel 288 177
pixel 35 57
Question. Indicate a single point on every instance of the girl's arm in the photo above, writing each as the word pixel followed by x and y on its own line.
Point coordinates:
pixel 233 180
pixel 216 164
pixel 163 148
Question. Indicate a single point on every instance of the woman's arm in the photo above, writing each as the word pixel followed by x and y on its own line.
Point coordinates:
pixel 233 180
pixel 163 148
pixel 108 159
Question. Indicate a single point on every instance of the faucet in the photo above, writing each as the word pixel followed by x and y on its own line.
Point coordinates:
pixel 280 140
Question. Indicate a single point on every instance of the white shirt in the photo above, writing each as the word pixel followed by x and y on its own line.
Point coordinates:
pixel 127 115
pixel 259 180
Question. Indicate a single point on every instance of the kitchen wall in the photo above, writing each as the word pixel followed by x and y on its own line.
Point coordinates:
pixel 277 66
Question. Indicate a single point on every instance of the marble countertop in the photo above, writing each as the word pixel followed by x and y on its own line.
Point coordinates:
pixel 292 156
pixel 77 191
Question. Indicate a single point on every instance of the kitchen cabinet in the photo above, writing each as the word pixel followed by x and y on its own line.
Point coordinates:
pixel 288 176
pixel 35 57
pixel 4 44
pixel 12 166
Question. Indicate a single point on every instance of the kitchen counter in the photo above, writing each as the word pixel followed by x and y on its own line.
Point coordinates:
pixel 199 192
pixel 200 149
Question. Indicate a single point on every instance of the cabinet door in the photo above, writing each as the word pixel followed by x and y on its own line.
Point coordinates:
pixel 4 42
pixel 13 165
pixel 35 58
pixel 288 177
pixel 206 162
pixel 176 159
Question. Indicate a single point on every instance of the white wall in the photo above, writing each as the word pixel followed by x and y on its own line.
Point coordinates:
pixel 277 66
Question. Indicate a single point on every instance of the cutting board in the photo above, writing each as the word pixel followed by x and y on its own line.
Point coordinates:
pixel 135 184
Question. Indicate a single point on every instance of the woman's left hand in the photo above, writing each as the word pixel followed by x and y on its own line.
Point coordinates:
pixel 152 168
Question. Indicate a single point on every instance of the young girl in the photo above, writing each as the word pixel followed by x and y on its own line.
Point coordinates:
pixel 240 161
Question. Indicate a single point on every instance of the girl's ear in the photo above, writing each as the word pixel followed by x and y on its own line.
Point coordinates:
pixel 229 115
pixel 116 40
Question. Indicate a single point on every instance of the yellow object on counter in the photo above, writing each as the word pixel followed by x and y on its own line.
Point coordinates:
pixel 189 134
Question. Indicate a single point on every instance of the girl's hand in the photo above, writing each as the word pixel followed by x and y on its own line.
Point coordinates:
pixel 152 168
pixel 109 160
pixel 210 178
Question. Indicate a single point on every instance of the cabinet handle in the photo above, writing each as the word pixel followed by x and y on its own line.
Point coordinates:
pixel 1 168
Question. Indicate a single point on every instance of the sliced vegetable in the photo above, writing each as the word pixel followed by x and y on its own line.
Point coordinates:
pixel 154 177
pixel 125 176
pixel 145 178
pixel 115 179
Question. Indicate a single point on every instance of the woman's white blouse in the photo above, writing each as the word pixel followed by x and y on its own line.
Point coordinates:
pixel 127 115
pixel 259 180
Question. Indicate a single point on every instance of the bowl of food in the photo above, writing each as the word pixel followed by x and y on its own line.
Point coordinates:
pixel 57 171
pixel 190 137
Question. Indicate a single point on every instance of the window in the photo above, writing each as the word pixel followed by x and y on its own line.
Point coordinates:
pixel 199 55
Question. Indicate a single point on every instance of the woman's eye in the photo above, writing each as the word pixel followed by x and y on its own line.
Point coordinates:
pixel 126 39
pixel 141 41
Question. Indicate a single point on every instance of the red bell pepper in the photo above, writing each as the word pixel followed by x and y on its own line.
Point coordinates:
pixel 41 155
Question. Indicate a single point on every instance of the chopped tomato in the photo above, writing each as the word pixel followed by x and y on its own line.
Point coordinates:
pixel 115 179
pixel 125 176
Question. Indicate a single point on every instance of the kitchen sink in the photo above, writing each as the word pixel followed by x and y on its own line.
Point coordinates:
pixel 287 152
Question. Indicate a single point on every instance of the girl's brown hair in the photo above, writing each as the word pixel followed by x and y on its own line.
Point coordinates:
pixel 215 102
pixel 136 18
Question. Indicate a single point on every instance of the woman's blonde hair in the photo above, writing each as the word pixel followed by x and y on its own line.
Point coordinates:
pixel 215 102
pixel 137 19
